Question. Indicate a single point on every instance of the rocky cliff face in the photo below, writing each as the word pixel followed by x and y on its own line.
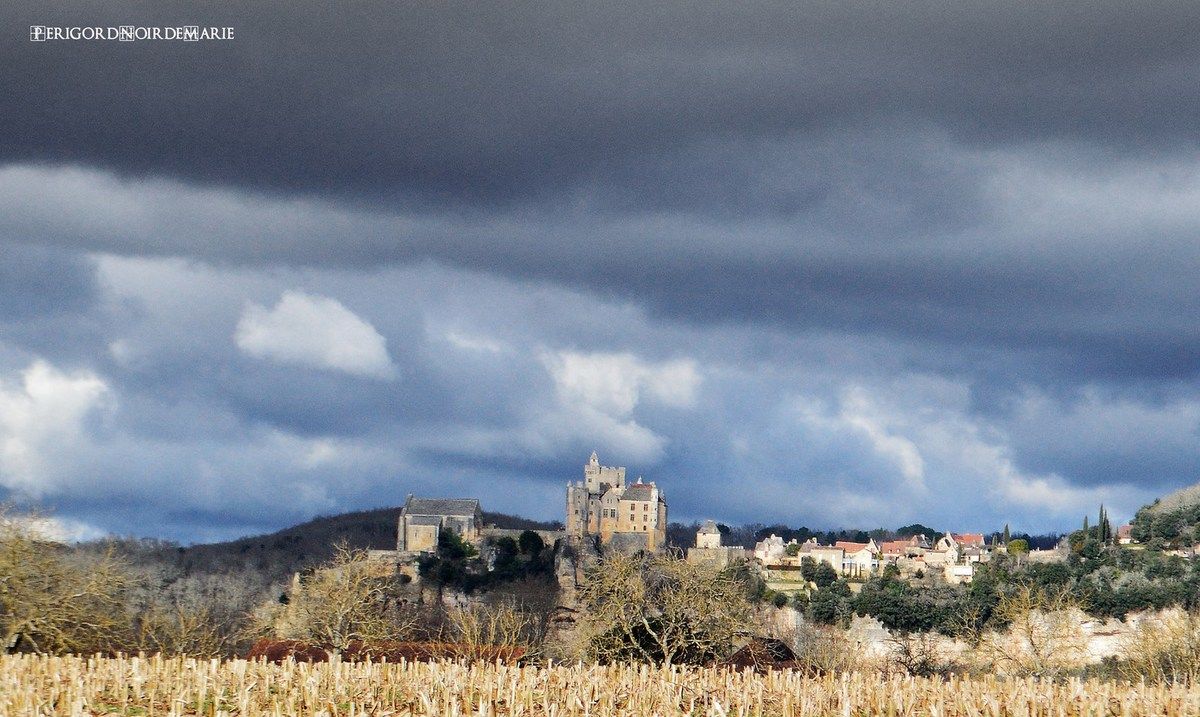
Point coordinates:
pixel 572 558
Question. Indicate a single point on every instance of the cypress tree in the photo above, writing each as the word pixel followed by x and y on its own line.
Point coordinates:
pixel 1106 532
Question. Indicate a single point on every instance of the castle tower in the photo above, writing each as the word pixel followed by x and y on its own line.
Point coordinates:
pixel 598 479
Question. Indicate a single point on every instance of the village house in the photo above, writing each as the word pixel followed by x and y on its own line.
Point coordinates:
pixel 627 516
pixel 906 548
pixel 957 554
pixel 771 549
pixel 831 555
pixel 858 559
pixel 779 559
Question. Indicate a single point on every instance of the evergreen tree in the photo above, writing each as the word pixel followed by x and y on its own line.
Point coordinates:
pixel 1006 534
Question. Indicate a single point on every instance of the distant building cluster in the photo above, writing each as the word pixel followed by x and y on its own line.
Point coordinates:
pixel 953 556
pixel 633 516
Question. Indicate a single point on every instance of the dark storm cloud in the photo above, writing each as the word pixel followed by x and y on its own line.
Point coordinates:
pixel 811 166
pixel 472 103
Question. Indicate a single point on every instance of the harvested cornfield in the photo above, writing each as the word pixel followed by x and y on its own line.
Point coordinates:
pixel 280 650
pixel 39 685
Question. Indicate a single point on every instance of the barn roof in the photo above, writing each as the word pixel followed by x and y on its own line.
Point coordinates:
pixel 762 652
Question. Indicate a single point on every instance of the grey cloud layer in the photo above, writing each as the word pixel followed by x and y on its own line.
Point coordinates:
pixel 958 231
pixel 1063 273
pixel 462 101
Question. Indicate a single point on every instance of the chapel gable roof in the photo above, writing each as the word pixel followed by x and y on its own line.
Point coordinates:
pixel 441 506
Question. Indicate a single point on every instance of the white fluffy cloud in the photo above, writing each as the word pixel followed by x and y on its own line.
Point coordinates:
pixel 314 331
pixel 859 412
pixel 42 419
pixel 598 392
pixel 59 530
pixel 613 383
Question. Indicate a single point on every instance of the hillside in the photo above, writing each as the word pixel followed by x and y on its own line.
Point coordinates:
pixel 1173 519
pixel 1182 498
pixel 276 556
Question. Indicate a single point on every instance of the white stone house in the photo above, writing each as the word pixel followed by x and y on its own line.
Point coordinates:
pixel 859 559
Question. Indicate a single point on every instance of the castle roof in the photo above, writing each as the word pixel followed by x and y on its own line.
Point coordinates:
pixel 639 491
pixel 441 506
pixel 710 527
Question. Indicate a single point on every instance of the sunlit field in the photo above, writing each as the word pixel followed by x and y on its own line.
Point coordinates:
pixel 41 685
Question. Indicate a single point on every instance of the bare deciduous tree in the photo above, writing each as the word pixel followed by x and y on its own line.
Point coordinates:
pixel 53 601
pixel 1164 648
pixel 1045 633
pixel 826 649
pixel 349 599
pixel 920 654
pixel 182 629
pixel 503 623
pixel 654 608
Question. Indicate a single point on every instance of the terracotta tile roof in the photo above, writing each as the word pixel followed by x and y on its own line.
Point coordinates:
pixel 1125 531
pixel 968 538
pixel 849 547
pixel 895 547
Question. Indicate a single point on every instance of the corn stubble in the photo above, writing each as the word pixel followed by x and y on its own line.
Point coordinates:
pixel 45 685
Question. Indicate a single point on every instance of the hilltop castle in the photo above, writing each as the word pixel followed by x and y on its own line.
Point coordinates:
pixel 627 516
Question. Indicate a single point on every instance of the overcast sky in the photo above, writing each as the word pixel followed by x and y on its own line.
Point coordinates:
pixel 830 264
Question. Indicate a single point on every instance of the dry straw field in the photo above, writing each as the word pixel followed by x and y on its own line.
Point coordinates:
pixel 41 685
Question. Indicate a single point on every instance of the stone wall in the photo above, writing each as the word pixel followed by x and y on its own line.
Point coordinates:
pixel 549 537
